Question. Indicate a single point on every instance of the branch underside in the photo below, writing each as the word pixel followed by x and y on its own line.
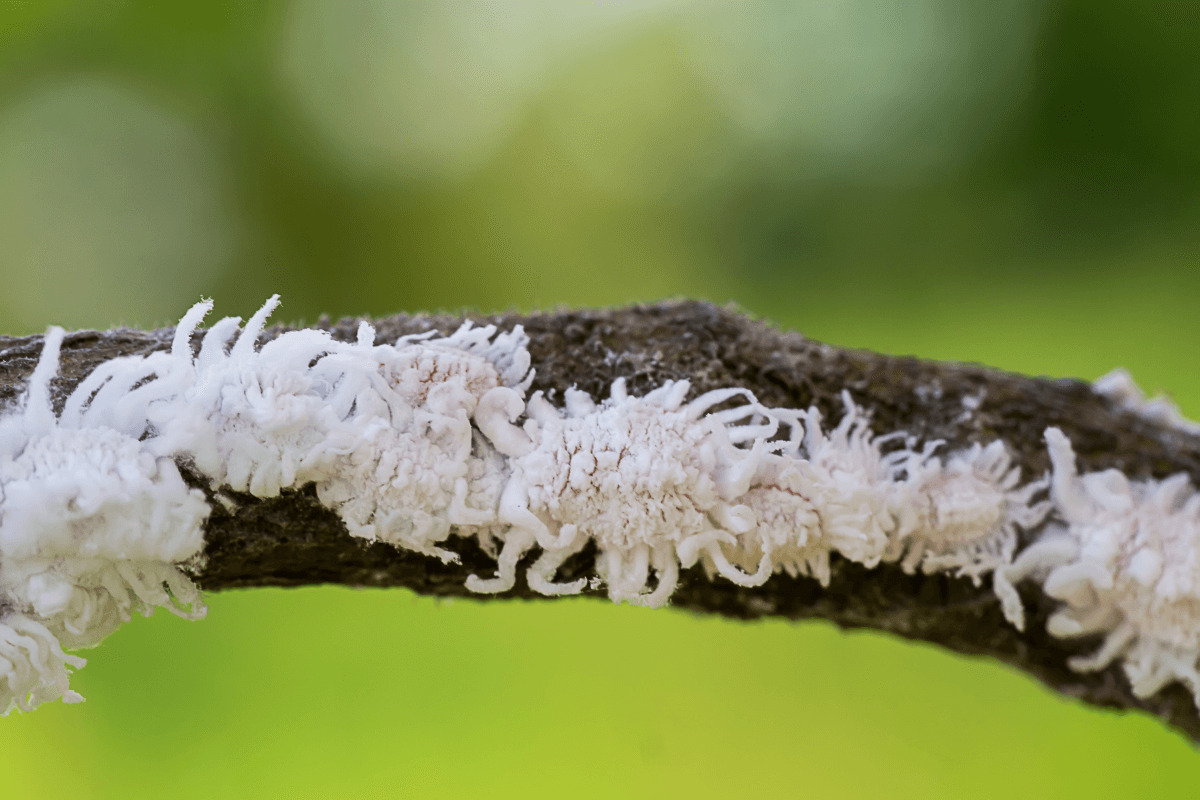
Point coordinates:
pixel 293 540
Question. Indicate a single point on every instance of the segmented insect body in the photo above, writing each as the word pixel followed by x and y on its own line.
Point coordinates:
pixel 652 481
pixel 962 514
pixel 423 467
pixel 824 492
pixel 1124 563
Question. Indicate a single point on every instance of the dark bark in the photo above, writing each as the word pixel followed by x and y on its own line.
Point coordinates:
pixel 292 540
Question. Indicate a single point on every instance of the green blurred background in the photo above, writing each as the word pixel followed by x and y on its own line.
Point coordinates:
pixel 1013 183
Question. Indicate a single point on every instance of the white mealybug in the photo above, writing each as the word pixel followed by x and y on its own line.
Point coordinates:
pixel 787 531
pixel 414 441
pixel 254 420
pixel 95 518
pixel 93 524
pixel 421 467
pixel 383 431
pixel 652 481
pixel 961 515
pixel 1120 387
pixel 825 492
pixel 1125 564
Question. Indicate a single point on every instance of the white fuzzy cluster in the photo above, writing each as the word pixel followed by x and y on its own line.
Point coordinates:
pixel 822 493
pixel 95 519
pixel 408 478
pixel 92 527
pixel 653 483
pixel 1123 557
pixel 416 441
pixel 383 431
pixel 838 493
pixel 656 483
pixel 1120 387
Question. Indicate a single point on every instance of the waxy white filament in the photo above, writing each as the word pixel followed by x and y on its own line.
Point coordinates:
pixel 427 438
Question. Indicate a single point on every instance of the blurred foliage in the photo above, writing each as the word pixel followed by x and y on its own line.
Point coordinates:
pixel 1011 182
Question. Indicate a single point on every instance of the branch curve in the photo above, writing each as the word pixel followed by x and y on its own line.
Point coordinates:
pixel 293 539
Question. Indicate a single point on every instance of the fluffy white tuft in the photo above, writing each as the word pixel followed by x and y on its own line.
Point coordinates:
pixel 431 436
pixel 383 430
pixel 1120 387
pixel 1124 562
pixel 655 484
pixel 417 468
pixel 821 493
pixel 33 666
pixel 92 526
pixel 95 519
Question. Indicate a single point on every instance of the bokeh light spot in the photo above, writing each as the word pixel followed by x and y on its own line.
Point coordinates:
pixel 105 196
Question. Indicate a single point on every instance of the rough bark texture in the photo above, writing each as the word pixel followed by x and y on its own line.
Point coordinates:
pixel 292 540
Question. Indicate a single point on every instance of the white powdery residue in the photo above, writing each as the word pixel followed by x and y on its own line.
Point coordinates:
pixel 1120 387
pixel 970 406
pixel 1126 564
pixel 961 514
pixel 92 526
pixel 651 481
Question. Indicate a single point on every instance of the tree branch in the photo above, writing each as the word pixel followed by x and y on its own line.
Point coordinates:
pixel 293 540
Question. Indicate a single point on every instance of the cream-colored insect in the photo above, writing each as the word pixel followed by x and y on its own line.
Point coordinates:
pixel 93 525
pixel 961 514
pixel 1123 556
pixel 821 493
pixel 652 481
